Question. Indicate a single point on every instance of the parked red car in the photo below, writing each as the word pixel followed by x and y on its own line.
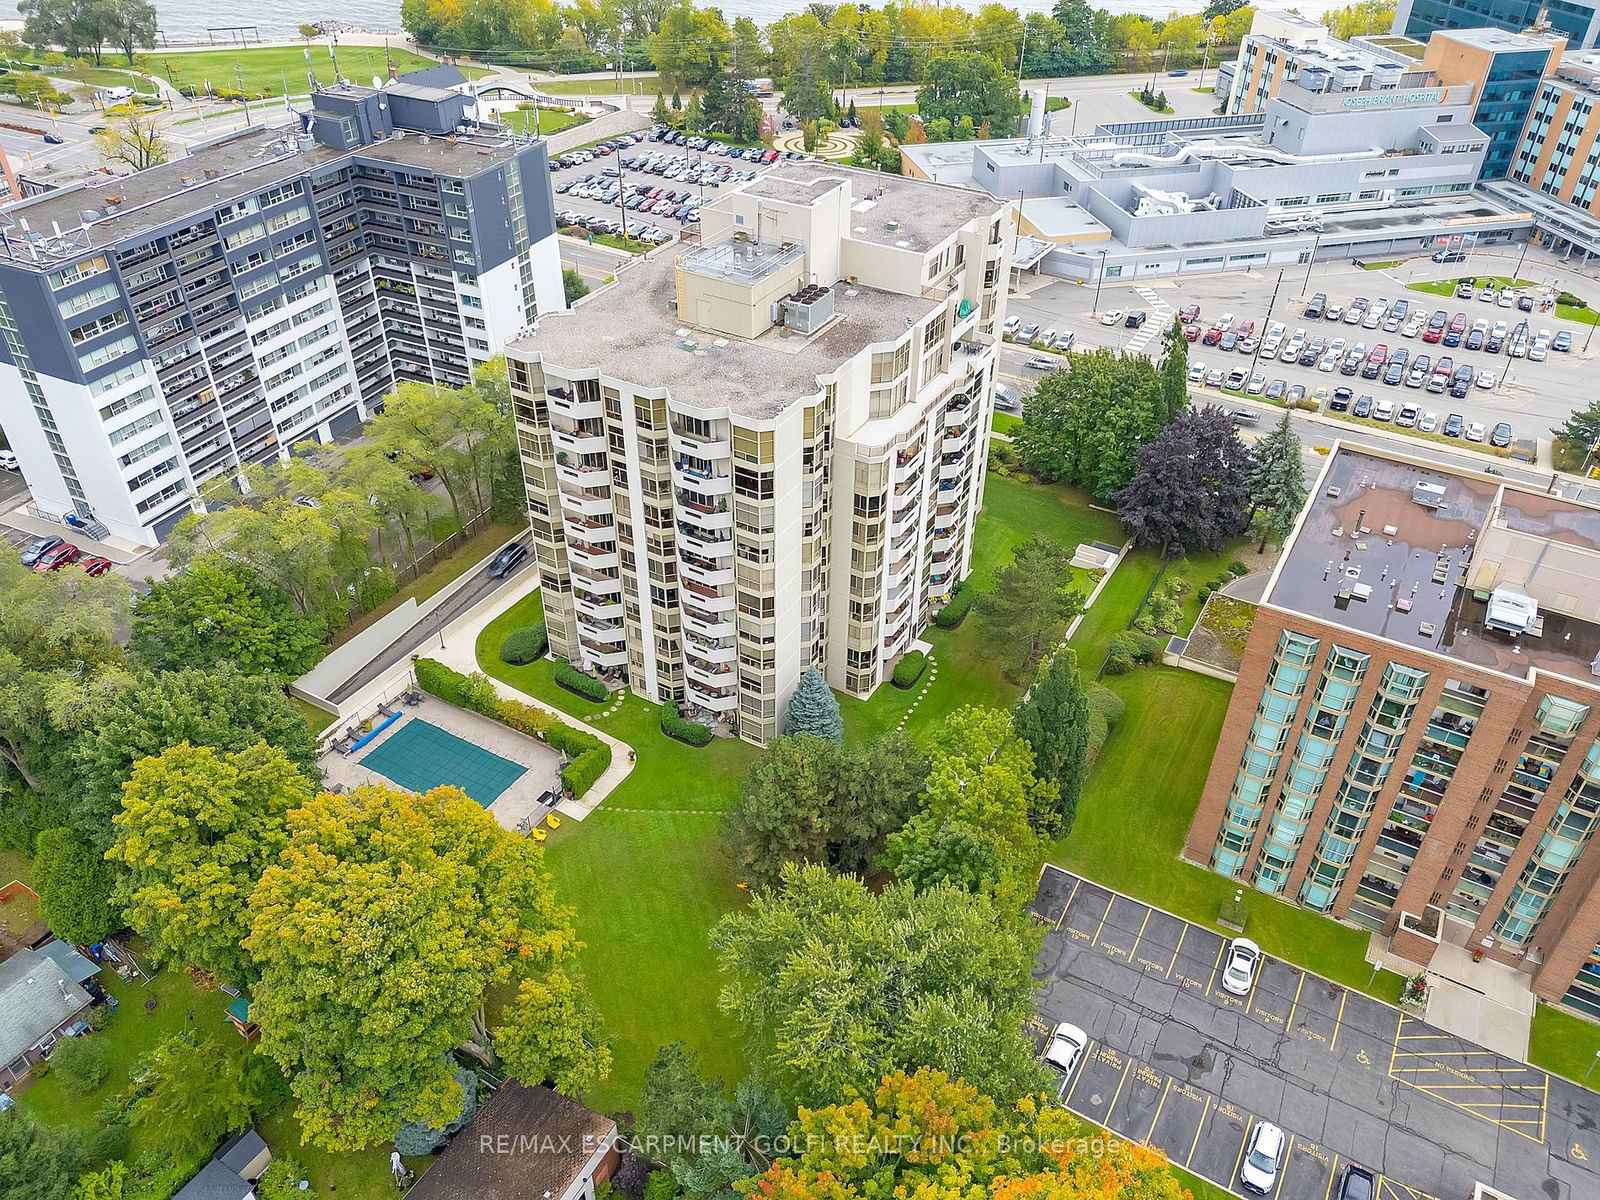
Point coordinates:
pixel 1213 336
pixel 1189 314
pixel 1192 331
pixel 96 565
pixel 57 557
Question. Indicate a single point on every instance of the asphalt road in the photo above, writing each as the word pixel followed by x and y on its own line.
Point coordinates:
pixel 419 635
pixel 1176 1061
pixel 1533 397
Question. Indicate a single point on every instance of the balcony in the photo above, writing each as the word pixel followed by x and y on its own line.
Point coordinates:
pixel 716 677
pixel 704 516
pixel 600 608
pixel 595 559
pixel 585 505
pixel 578 442
pixel 702 543
pixel 708 598
pixel 604 658
pixel 704 571
pixel 955 440
pixel 697 447
pixel 707 625
pixel 706 483
pixel 587 476
pixel 563 401
pixel 717 701
pixel 952 470
pixel 712 650
pixel 585 524
pixel 596 583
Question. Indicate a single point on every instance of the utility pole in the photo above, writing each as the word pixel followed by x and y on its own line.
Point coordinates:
pixel 1311 260
pixel 388 60
pixel 238 77
pixel 333 55
pixel 1098 279
pixel 1266 322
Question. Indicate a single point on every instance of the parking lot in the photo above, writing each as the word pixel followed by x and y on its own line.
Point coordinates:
pixel 1176 1061
pixel 1530 395
pixel 703 176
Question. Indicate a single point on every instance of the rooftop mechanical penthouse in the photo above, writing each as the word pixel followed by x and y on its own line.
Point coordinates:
pixel 1416 718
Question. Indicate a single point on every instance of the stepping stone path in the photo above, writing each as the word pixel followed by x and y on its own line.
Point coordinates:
pixel 933 674
pixel 618 698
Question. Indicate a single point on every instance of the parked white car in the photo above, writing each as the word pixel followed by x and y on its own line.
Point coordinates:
pixel 1239 966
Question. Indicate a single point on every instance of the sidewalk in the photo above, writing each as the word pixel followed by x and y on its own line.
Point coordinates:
pixel 460 653
pixel 1487 1003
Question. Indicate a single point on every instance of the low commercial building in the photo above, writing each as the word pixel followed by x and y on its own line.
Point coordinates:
pixel 768 453
pixel 1358 161
pixel 1414 740
pixel 159 329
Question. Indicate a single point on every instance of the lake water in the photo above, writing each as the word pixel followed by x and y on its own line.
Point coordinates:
pixel 187 20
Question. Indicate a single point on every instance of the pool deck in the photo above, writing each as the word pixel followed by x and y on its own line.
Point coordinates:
pixel 517 803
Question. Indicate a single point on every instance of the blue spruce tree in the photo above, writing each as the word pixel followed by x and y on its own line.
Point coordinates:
pixel 813 708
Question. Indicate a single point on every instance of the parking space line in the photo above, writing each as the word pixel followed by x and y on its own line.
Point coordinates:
pixel 1243 1142
pixel 1071 896
pixel 1178 949
pixel 1117 1095
pixel 1288 1022
pixel 1195 1145
pixel 1100 928
pixel 1160 1104
pixel 1143 925
pixel 1333 1042
pixel 1288 1157
pixel 1333 1173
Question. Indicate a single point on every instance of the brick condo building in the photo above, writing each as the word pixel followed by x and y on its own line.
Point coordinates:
pixel 1416 719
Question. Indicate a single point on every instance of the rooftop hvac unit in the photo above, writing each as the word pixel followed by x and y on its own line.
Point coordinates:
pixel 1313 79
pixel 809 309
pixel 1510 611
pixel 1387 75
pixel 1429 495
pixel 1347 79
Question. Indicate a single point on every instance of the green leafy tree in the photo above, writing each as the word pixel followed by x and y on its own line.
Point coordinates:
pixel 835 985
pixel 220 611
pixel 690 40
pixel 1085 426
pixel 109 1183
pixel 811 800
pixel 378 932
pixel 1174 372
pixel 969 84
pixel 196 830
pixel 552 1031
pixel 37 1162
pixel 1579 434
pixel 222 709
pixel 814 709
pixel 74 885
pixel 574 285
pixel 413 1139
pixel 1192 488
pixel 1053 718
pixel 1278 483
pixel 1031 603
pixel 975 828
pixel 192 1093
pixel 965 1143
pixel 707 1142
pixel 81 1064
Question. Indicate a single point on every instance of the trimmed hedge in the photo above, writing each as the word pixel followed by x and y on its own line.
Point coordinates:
pixel 909 669
pixel 1105 714
pixel 588 756
pixel 522 646
pixel 691 733
pixel 574 680
pixel 1129 648
pixel 952 614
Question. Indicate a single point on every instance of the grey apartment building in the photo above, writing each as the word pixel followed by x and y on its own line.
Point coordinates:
pixel 162 328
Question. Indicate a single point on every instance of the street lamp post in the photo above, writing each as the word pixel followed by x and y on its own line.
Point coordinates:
pixel 1311 260
pixel 1098 280
pixel 1255 358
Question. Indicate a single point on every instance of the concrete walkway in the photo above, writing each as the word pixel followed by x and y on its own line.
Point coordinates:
pixel 117 550
pixel 460 653
pixel 1487 1003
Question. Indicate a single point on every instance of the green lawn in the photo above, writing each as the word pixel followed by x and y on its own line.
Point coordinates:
pixel 317 717
pixel 1007 423
pixel 107 75
pixel 438 577
pixel 1447 287
pixel 638 85
pixel 551 120
pixel 134 1030
pixel 1564 1044
pixel 1149 778
pixel 1583 316
pixel 264 70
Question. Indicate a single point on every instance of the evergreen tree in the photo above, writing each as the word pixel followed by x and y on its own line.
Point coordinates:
pixel 715 102
pixel 660 114
pixel 677 100
pixel 694 114
pixel 1580 433
pixel 814 709
pixel 1277 483
pixel 1054 720
pixel 1174 371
